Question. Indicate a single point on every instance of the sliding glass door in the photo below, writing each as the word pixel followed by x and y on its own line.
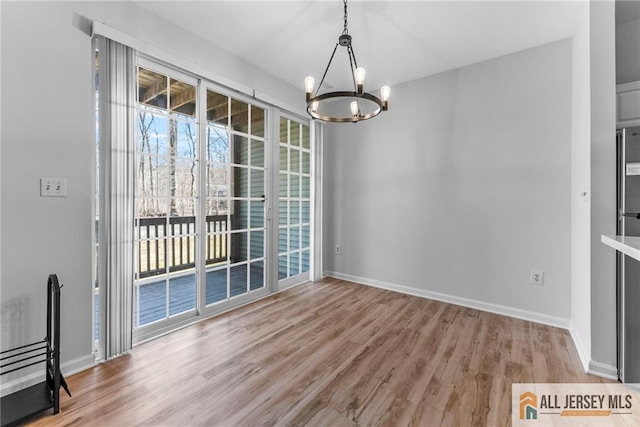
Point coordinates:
pixel 201 199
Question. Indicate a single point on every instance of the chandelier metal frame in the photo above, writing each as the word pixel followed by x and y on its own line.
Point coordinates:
pixel 358 75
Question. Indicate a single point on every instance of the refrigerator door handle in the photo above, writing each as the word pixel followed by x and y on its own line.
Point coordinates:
pixel 628 214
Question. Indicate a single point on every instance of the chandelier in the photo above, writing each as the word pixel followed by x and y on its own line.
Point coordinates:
pixel 362 105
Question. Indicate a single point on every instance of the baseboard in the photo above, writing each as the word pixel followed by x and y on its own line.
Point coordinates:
pixel 68 368
pixel 78 365
pixel 585 358
pixel 592 367
pixel 603 370
pixel 531 316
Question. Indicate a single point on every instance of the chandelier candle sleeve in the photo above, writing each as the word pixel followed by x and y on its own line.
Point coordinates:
pixel 362 105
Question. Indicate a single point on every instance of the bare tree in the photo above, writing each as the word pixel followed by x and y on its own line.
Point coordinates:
pixel 145 146
pixel 173 141
pixel 217 152
pixel 191 138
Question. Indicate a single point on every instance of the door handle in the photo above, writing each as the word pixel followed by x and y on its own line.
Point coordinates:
pixel 630 215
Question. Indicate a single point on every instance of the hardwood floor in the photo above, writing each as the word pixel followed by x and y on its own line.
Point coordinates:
pixel 331 353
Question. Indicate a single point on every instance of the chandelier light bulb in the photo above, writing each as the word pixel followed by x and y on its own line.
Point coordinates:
pixel 314 106
pixel 385 91
pixel 309 83
pixel 359 75
pixel 354 108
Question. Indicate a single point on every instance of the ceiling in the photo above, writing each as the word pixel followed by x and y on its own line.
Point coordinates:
pixel 396 41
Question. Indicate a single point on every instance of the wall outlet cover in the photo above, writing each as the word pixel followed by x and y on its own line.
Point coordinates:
pixel 537 277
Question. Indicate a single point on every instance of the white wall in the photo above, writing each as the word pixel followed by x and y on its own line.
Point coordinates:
pixel 603 181
pixel 463 187
pixel 627 52
pixel 46 132
pixel 47 128
pixel 581 190
pixel 593 171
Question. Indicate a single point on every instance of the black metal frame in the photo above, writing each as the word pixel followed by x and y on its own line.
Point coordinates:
pixel 23 404
pixel 343 119
pixel 344 40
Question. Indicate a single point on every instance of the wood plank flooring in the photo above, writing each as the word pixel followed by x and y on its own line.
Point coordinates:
pixel 331 353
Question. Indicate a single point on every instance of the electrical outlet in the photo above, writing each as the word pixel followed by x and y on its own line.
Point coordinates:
pixel 537 277
pixel 338 250
pixel 53 187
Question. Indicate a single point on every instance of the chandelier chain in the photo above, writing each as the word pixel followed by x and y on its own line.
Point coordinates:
pixel 346 30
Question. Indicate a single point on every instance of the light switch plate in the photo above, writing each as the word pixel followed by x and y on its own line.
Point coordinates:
pixel 53 187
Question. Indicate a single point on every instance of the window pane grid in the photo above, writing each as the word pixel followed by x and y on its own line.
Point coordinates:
pixel 294 199
pixel 235 145
pixel 167 197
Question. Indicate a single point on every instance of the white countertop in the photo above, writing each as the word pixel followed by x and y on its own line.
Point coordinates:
pixel 628 245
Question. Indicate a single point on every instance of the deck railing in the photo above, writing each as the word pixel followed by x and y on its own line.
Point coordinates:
pixel 173 243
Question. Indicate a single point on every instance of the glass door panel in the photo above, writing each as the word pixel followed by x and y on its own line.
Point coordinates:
pixel 235 184
pixel 294 200
pixel 166 197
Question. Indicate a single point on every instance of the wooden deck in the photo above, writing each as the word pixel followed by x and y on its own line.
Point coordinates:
pixel 182 291
pixel 328 353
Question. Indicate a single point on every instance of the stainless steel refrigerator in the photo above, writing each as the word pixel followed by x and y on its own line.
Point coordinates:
pixel 628 269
